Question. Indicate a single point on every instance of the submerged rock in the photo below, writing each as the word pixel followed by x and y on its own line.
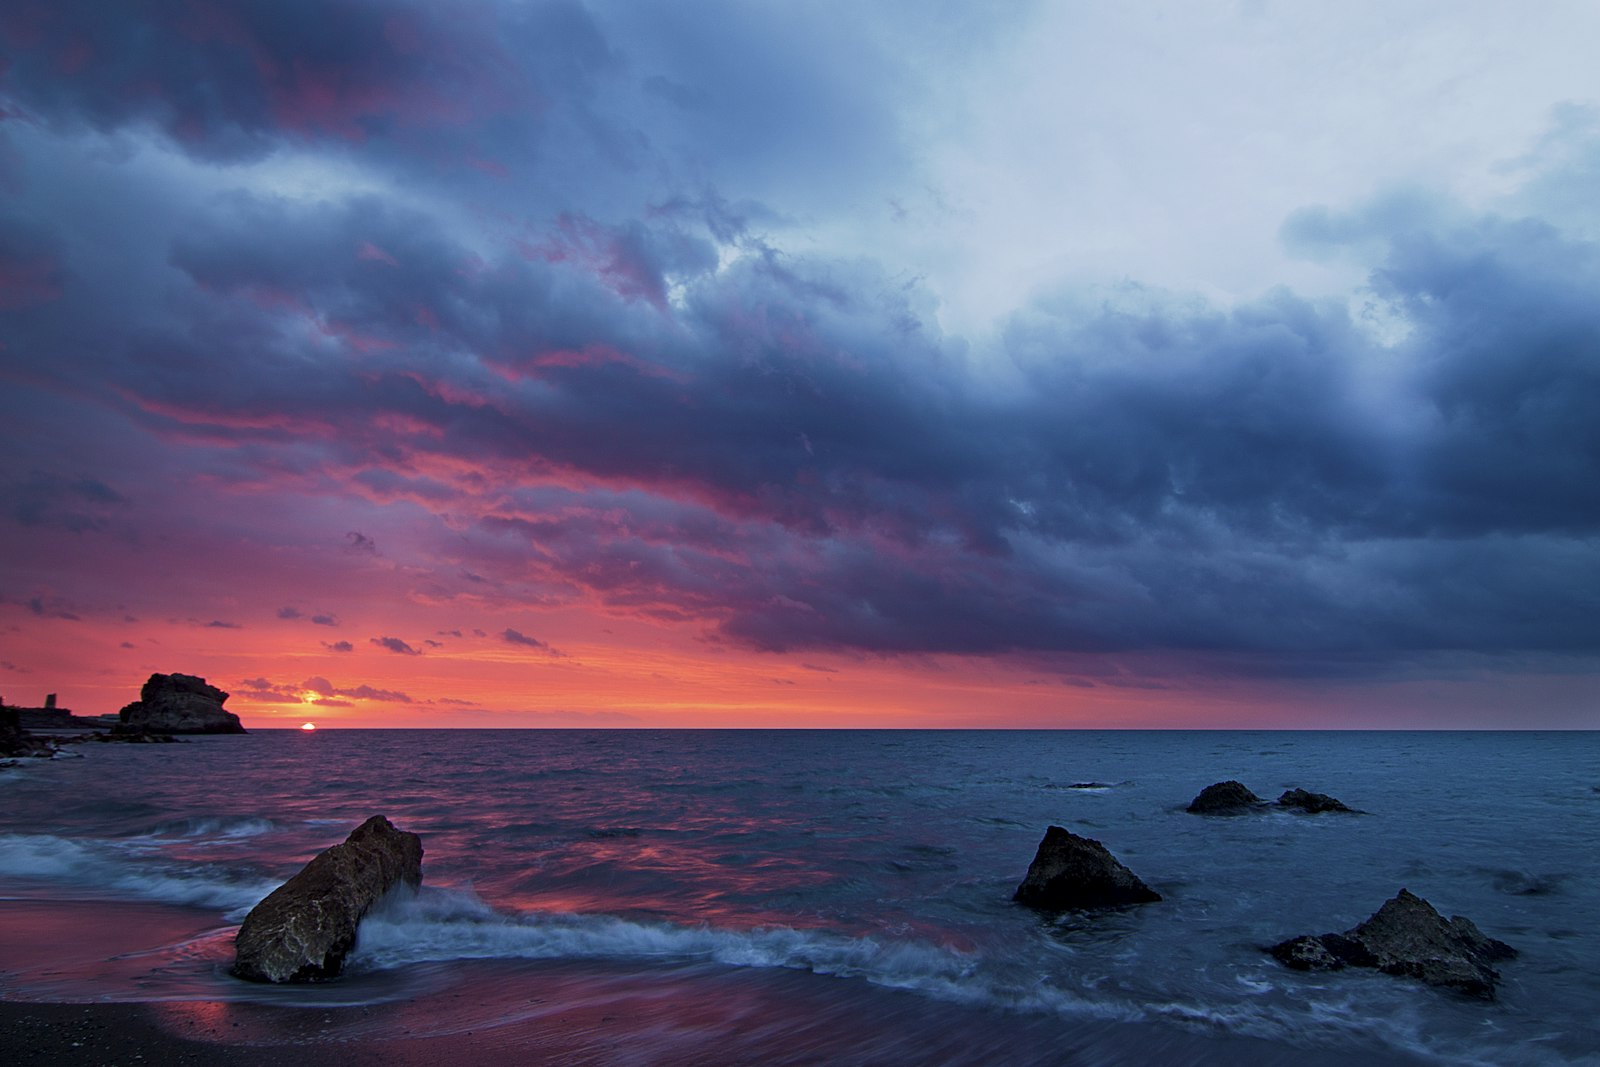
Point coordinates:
pixel 304 929
pixel 1406 937
pixel 1079 872
pixel 179 704
pixel 1310 803
pixel 1224 798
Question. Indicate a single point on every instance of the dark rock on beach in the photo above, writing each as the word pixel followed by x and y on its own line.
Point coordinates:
pixel 1224 798
pixel 15 741
pixel 179 704
pixel 1311 803
pixel 1406 937
pixel 1079 872
pixel 304 929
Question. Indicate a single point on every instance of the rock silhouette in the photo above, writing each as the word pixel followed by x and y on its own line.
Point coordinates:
pixel 1224 798
pixel 304 929
pixel 1079 872
pixel 1406 937
pixel 1311 803
pixel 179 704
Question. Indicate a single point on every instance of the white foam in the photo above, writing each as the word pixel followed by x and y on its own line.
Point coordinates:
pixel 132 868
pixel 437 925
pixel 222 827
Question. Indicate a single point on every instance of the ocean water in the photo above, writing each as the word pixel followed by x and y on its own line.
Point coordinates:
pixel 832 896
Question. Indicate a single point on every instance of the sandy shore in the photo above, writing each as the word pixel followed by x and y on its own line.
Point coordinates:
pixel 201 1032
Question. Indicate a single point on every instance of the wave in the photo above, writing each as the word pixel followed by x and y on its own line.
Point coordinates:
pixel 215 827
pixel 447 924
pixel 436 925
pixel 100 867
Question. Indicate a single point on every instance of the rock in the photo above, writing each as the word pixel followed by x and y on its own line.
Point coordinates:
pixel 1310 803
pixel 15 741
pixel 304 929
pixel 179 704
pixel 1406 937
pixel 1078 872
pixel 1224 798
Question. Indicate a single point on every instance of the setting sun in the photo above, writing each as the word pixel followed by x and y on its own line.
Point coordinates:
pixel 308 726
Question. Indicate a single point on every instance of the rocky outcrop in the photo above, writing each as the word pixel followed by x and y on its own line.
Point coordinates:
pixel 304 929
pixel 1079 872
pixel 1224 798
pixel 15 741
pixel 1310 803
pixel 1406 937
pixel 179 704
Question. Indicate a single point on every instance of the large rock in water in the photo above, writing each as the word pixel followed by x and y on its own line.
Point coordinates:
pixel 305 928
pixel 1310 803
pixel 1224 798
pixel 1406 937
pixel 179 704
pixel 1079 872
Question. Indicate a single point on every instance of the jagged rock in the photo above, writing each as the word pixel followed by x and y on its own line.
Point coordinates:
pixel 15 741
pixel 179 704
pixel 1079 872
pixel 304 929
pixel 1311 803
pixel 1406 937
pixel 1224 798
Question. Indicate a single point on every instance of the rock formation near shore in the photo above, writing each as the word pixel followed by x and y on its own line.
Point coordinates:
pixel 304 929
pixel 1310 803
pixel 179 704
pixel 15 741
pixel 1224 798
pixel 1406 937
pixel 1079 872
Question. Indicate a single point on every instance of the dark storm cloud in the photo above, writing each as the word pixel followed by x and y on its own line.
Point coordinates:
pixel 226 80
pixel 806 462
pixel 621 392
pixel 74 504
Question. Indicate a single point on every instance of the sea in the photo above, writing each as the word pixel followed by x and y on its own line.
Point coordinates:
pixel 838 897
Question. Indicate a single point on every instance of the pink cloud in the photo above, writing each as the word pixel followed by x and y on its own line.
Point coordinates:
pixel 369 251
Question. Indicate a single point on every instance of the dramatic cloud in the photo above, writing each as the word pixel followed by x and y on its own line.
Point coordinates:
pixel 589 314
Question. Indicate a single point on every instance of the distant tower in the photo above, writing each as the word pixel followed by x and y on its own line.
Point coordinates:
pixel 50 701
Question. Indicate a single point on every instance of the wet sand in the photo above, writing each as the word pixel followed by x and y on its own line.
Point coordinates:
pixel 118 983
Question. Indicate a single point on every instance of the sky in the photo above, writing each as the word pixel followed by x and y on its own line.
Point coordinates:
pixel 496 363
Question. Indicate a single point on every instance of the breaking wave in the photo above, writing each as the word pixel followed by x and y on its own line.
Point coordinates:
pixel 130 868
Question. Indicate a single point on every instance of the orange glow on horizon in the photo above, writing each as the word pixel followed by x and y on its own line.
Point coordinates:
pixel 598 670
